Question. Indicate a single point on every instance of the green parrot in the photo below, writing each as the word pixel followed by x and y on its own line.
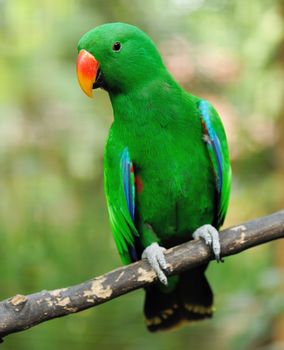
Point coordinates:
pixel 166 166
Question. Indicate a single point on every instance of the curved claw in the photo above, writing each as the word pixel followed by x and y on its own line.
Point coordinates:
pixel 156 258
pixel 211 238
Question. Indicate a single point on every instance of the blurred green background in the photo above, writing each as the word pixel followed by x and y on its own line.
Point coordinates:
pixel 54 227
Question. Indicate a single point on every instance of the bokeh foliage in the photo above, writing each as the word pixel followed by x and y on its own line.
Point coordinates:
pixel 53 223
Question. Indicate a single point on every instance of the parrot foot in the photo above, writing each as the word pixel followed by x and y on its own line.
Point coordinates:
pixel 156 258
pixel 211 238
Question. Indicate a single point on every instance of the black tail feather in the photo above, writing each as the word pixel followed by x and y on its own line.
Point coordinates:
pixel 190 300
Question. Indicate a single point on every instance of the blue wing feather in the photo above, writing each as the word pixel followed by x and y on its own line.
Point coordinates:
pixel 219 155
pixel 217 150
pixel 120 195
pixel 127 176
pixel 128 183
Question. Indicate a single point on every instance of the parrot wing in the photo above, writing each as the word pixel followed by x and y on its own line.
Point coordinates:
pixel 121 207
pixel 215 138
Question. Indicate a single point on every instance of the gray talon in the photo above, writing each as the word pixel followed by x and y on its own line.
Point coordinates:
pixel 156 258
pixel 211 238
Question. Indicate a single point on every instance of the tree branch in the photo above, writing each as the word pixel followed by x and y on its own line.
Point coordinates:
pixel 22 312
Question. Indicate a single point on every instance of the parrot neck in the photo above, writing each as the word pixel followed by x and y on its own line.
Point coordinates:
pixel 154 101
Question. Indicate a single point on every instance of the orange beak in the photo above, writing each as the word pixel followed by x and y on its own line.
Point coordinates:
pixel 87 68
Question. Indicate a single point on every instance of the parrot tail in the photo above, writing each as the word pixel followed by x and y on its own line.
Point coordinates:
pixel 190 299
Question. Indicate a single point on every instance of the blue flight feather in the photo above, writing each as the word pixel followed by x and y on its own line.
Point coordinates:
pixel 214 141
pixel 217 151
pixel 128 183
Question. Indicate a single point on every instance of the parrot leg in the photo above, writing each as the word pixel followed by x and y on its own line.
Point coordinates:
pixel 211 238
pixel 156 258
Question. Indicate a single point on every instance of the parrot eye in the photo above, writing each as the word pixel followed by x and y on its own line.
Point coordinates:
pixel 116 46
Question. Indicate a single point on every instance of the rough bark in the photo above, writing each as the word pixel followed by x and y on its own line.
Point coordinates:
pixel 25 311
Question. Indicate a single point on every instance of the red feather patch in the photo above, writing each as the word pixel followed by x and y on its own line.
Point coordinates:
pixel 138 184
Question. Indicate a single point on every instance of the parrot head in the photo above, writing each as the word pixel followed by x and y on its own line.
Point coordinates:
pixel 116 57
